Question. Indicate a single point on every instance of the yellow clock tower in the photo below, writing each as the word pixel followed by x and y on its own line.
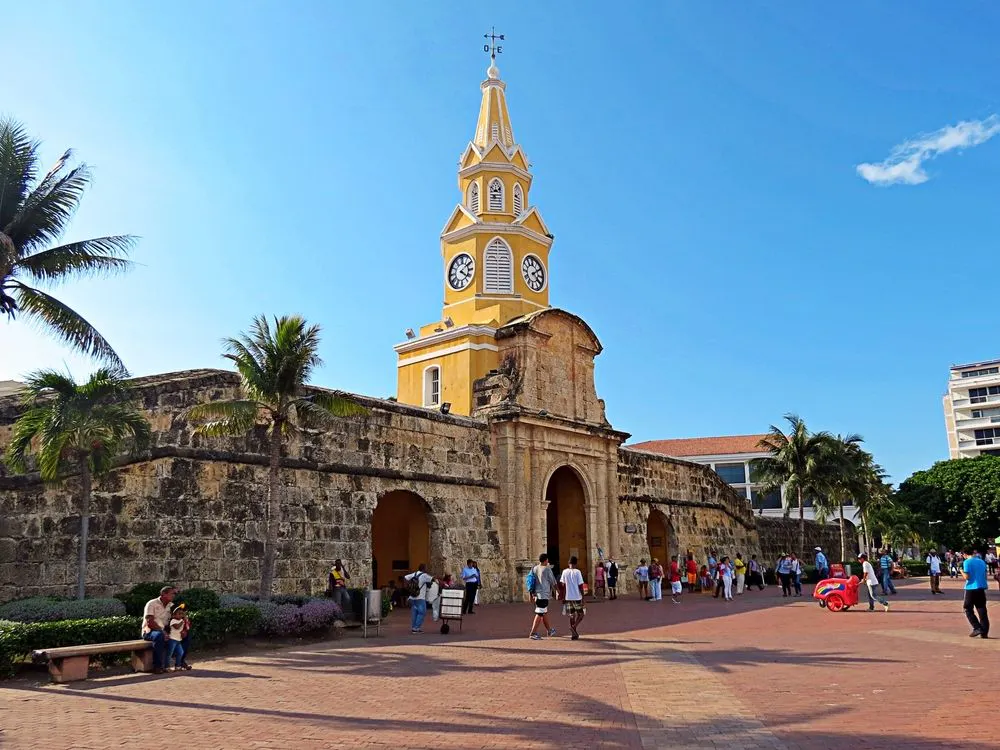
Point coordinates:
pixel 495 252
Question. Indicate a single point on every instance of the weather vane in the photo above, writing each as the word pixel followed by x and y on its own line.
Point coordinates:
pixel 491 46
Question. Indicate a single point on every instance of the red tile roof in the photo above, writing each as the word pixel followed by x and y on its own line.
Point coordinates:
pixel 706 446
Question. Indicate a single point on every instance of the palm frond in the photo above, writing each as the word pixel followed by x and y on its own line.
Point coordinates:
pixel 322 408
pixel 101 256
pixel 18 169
pixel 226 418
pixel 28 425
pixel 64 323
pixel 47 210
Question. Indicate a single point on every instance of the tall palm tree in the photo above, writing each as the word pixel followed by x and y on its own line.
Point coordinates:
pixel 849 477
pixel 799 461
pixel 875 501
pixel 68 427
pixel 274 367
pixel 34 213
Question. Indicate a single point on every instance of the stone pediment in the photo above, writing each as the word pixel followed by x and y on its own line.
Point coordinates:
pixel 547 369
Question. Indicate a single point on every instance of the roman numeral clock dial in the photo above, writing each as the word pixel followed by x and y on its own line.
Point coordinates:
pixel 461 271
pixel 533 272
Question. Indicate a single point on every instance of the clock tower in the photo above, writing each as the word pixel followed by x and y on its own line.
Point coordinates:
pixel 495 263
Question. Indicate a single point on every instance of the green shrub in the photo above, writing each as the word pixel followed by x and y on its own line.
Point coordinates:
pixel 19 639
pixel 135 598
pixel 213 627
pixel 51 609
pixel 917 567
pixel 198 599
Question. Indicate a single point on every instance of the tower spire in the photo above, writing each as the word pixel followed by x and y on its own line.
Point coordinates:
pixel 494 119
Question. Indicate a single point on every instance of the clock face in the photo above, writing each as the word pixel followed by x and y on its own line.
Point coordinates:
pixel 533 272
pixel 461 271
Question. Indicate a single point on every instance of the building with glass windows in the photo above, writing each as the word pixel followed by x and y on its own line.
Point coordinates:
pixel 730 457
pixel 972 409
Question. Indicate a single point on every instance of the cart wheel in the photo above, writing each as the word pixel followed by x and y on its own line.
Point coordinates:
pixel 834 603
pixel 847 607
pixel 445 627
pixel 822 603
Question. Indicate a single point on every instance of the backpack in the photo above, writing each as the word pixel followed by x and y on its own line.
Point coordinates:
pixel 414 586
pixel 531 582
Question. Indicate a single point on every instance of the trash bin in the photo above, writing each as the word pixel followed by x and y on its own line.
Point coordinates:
pixel 373 611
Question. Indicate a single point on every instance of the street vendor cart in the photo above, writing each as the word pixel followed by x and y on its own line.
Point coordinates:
pixel 451 608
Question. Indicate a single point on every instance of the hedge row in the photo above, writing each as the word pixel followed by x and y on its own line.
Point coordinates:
pixel 210 627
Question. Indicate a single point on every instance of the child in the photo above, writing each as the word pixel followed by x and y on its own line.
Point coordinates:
pixel 179 627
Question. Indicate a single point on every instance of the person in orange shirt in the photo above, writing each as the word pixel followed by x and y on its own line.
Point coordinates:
pixel 692 572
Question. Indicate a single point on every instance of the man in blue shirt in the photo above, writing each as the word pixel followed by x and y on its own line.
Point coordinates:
pixel 784 572
pixel 822 566
pixel 470 574
pixel 885 565
pixel 974 573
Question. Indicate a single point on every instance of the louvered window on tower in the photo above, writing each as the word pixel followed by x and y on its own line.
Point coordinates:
pixel 496 132
pixel 496 195
pixel 518 200
pixel 499 277
pixel 474 197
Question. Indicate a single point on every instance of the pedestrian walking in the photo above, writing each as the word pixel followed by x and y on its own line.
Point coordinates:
pixel 784 571
pixel 713 565
pixel 418 584
pixel 726 578
pixel 934 568
pixel 991 562
pixel 756 574
pixel 544 585
pixel 885 566
pixel 740 572
pixel 613 572
pixel 655 580
pixel 572 583
pixel 974 573
pixel 822 565
pixel 676 587
pixel 470 575
pixel 797 575
pixel 691 569
pixel 337 585
pixel 641 575
pixel 952 559
pixel 871 581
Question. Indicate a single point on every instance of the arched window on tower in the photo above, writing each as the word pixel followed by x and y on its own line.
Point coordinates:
pixel 496 194
pixel 499 274
pixel 518 200
pixel 432 386
pixel 474 197
pixel 496 132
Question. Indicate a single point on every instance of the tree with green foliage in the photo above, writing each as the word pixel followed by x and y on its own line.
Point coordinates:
pixel 76 428
pixel 274 367
pixel 800 461
pixel 34 213
pixel 963 495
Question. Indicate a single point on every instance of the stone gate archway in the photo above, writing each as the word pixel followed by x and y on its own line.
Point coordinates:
pixel 566 520
pixel 658 537
pixel 401 535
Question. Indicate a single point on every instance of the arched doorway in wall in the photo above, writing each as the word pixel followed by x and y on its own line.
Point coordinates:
pixel 566 521
pixel 658 537
pixel 401 536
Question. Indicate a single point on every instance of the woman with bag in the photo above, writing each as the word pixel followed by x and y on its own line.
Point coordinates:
pixel 655 581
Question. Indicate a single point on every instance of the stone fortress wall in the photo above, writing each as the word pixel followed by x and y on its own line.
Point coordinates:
pixel 188 512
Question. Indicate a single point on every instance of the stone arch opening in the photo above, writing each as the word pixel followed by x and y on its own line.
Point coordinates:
pixel 566 520
pixel 401 536
pixel 658 537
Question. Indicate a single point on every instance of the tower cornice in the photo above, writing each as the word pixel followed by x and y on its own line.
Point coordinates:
pixel 495 227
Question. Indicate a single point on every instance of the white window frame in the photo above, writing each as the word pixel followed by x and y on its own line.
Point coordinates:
pixel 473 199
pixel 491 272
pixel 518 199
pixel 430 398
pixel 495 132
pixel 489 195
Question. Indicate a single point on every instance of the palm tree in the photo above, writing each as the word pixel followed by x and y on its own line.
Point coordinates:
pixel 274 367
pixel 849 477
pixel 33 214
pixel 875 501
pixel 799 461
pixel 76 428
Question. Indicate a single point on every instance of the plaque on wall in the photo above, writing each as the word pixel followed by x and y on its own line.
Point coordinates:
pixel 630 528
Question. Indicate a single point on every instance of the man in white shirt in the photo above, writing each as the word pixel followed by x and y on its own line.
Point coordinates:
pixel 572 581
pixel 870 582
pixel 155 617
pixel 420 592
pixel 545 584
pixel 934 568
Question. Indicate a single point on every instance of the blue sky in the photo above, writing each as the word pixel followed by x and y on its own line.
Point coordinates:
pixel 697 163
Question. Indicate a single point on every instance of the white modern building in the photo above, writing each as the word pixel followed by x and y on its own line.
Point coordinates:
pixel 972 409
pixel 730 457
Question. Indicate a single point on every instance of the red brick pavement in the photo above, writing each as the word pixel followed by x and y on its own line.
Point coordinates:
pixel 760 672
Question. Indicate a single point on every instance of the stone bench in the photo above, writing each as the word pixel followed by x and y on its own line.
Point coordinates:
pixel 71 663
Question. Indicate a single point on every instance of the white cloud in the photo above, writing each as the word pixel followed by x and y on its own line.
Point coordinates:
pixel 905 165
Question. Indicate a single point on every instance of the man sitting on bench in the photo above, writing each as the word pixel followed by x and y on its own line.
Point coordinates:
pixel 155 619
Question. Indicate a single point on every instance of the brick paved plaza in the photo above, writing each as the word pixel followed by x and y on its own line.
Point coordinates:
pixel 761 672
